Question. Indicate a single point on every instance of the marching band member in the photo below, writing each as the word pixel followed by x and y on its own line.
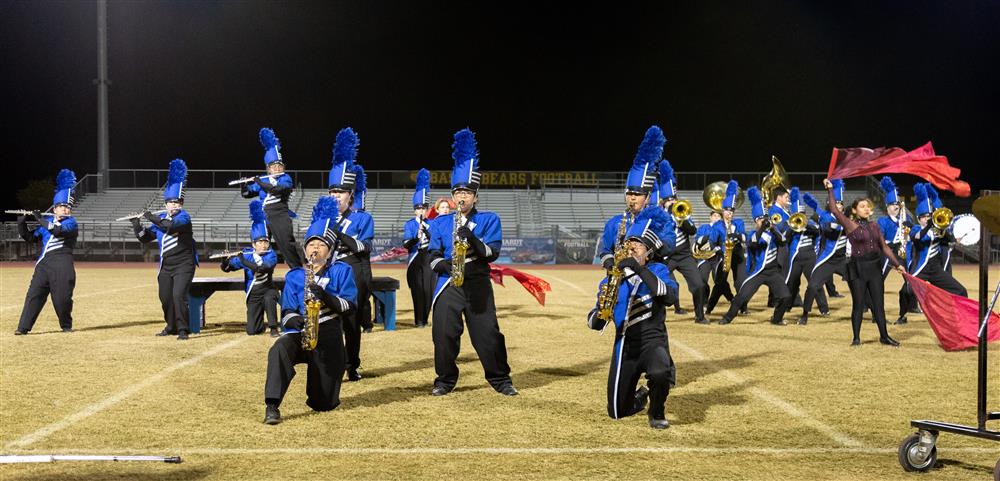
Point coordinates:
pixel 359 206
pixel 946 240
pixel 895 236
pixel 864 272
pixel 641 344
pixel 257 264
pixel 680 259
pixel 710 237
pixel 762 265
pixel 354 231
pixel 926 241
pixel 54 272
pixel 735 231
pixel 802 251
pixel 274 191
pixel 639 183
pixel 779 208
pixel 178 254
pixel 828 256
pixel 333 285
pixel 474 297
pixel 843 251
pixel 416 239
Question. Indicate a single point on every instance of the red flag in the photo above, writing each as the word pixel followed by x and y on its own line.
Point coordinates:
pixel 535 286
pixel 954 319
pixel 921 162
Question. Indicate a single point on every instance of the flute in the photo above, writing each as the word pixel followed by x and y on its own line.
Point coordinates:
pixel 25 212
pixel 140 214
pixel 247 180
pixel 225 255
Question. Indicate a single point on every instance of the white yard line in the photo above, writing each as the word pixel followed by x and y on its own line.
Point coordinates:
pixel 129 391
pixel 785 406
pixel 499 450
pixel 568 283
pixel 84 296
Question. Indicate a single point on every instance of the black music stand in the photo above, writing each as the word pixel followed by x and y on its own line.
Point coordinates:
pixel 918 451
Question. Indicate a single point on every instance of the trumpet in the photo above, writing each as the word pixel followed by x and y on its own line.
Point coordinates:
pixel 225 255
pixel 775 219
pixel 247 180
pixel 941 217
pixel 797 222
pixel 139 214
pixel 25 212
pixel 681 210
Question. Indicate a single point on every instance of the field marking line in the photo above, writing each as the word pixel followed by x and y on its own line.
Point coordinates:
pixel 760 393
pixel 83 296
pixel 568 283
pixel 528 451
pixel 129 391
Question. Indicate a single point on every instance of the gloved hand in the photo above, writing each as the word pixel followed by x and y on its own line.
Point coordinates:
pixel 294 323
pixel 465 233
pixel 38 215
pixel 443 267
pixel 608 263
pixel 316 290
pixel 149 215
pixel 630 263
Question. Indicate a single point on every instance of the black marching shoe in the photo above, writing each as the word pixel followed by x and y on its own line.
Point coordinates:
pixel 67 329
pixel 272 415
pixel 824 313
pixel 658 423
pixel 680 311
pixel 779 322
pixel 725 320
pixel 353 375
pixel 901 320
pixel 702 321
pixel 440 391
pixel 915 310
pixel 803 320
pixel 888 341
pixel 744 311
pixel 508 390
pixel 641 397
pixel 837 295
pixel 274 332
pixel 183 336
pixel 20 333
pixel 164 333
pixel 856 342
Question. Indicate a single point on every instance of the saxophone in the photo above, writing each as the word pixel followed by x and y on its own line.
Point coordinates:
pixel 905 231
pixel 727 258
pixel 310 330
pixel 459 248
pixel 608 296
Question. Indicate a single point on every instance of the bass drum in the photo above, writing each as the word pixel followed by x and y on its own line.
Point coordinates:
pixel 966 229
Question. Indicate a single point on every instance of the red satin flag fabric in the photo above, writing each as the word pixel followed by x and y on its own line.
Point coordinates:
pixel 921 162
pixel 954 319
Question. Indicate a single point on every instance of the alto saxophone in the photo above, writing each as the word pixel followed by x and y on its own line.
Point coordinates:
pixel 608 296
pixel 459 247
pixel 310 329
pixel 727 258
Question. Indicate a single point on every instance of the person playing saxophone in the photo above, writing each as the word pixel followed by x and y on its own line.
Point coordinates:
pixel 333 285
pixel 473 298
pixel 639 315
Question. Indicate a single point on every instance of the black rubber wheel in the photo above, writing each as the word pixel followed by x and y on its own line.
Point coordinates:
pixel 910 460
pixel 996 471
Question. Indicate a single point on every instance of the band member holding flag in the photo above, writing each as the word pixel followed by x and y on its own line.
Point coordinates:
pixel 54 272
pixel 464 287
pixel 274 190
pixel 352 233
pixel 257 264
pixel 420 278
pixel 640 182
pixel 332 284
pixel 178 254
pixel 864 271
pixel 639 317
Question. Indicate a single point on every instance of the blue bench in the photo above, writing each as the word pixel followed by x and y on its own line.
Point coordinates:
pixel 383 288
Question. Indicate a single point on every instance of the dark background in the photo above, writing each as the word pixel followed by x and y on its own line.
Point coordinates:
pixel 545 85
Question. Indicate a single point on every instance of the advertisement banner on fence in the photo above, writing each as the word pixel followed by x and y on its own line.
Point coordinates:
pixel 527 250
pixel 575 251
pixel 382 245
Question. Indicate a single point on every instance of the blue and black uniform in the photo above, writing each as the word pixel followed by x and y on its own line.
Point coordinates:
pixel 178 259
pixel 274 192
pixel 420 278
pixel 261 295
pixel 54 271
pixel 355 231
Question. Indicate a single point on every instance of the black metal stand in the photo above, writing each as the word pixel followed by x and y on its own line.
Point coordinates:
pixel 918 452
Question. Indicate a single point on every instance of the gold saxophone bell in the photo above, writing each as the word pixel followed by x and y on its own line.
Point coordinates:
pixel 797 222
pixel 777 177
pixel 681 210
pixel 942 217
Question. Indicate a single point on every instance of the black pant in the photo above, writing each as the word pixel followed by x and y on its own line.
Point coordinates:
pixel 803 265
pixel 864 277
pixel 822 275
pixel 283 234
pixel 52 276
pixel 325 367
pixel 628 362
pixel 708 270
pixel 688 267
pixel 261 301
pixel 362 316
pixel 771 276
pixel 905 299
pixel 722 286
pixel 475 301
pixel 421 280
pixel 175 286
pixel 839 263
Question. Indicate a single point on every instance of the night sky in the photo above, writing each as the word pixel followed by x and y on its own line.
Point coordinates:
pixel 544 85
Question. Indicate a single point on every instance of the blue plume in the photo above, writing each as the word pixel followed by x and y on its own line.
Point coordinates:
pixel 793 195
pixel 268 139
pixel 920 191
pixel 932 194
pixel 345 147
pixel 811 201
pixel 423 179
pixel 257 211
pixel 464 148
pixel 651 148
pixel 666 170
pixel 66 179
pixel 326 208
pixel 360 182
pixel 657 215
pixel 837 183
pixel 732 188
pixel 177 173
pixel 887 184
pixel 753 195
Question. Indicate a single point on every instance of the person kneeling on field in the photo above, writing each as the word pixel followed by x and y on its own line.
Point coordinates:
pixel 332 285
pixel 639 313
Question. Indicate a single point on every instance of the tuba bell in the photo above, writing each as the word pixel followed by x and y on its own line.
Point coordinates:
pixel 681 210
pixel 777 177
